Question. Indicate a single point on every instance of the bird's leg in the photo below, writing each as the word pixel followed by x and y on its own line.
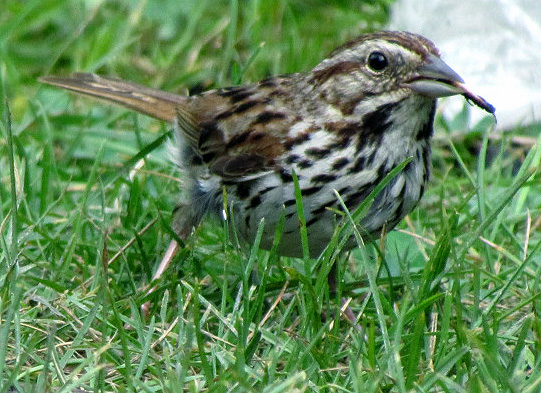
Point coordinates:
pixel 347 311
pixel 162 267
pixel 183 225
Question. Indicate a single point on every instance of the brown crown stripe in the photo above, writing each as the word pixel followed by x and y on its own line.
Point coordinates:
pixel 414 43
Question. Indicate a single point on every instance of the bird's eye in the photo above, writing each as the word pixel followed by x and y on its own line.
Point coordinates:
pixel 377 61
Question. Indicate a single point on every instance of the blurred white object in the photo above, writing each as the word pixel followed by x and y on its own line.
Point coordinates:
pixel 495 45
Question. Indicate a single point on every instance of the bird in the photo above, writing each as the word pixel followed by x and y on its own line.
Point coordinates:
pixel 340 127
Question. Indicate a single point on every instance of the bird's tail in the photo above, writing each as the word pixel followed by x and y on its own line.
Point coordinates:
pixel 152 102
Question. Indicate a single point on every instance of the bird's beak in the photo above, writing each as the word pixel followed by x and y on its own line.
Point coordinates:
pixel 435 79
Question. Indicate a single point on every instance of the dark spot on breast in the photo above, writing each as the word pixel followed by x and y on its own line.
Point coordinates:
pixel 297 140
pixel 305 164
pixel 265 190
pixel 383 171
pixel 312 221
pixel 255 201
pixel 291 214
pixel 370 158
pixel 378 121
pixel 316 152
pixel 293 158
pixel 339 144
pixel 350 129
pixel 359 165
pixel 321 209
pixel 289 202
pixel 410 166
pixel 344 129
pixel 311 190
pixel 340 163
pixel 323 178
pixel 426 163
pixel 285 176
pixel 428 128
pixel 244 189
pixel 375 124
pixel 344 190
pixel 352 201
pixel 398 211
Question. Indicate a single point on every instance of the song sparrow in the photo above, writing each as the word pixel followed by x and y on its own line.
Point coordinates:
pixel 342 126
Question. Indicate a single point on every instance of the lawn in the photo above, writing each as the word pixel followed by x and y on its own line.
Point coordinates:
pixel 447 302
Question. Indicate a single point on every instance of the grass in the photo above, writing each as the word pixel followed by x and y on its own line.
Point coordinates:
pixel 447 303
